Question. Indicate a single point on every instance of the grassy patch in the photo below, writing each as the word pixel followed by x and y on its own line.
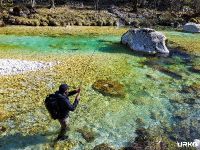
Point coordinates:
pixel 61 31
pixel 186 41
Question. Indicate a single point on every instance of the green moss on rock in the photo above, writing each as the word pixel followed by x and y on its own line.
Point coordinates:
pixel 87 134
pixel 146 140
pixel 103 146
pixel 109 88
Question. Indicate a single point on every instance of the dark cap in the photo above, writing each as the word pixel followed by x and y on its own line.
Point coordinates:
pixel 63 88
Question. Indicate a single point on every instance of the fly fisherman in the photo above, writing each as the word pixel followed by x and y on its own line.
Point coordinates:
pixel 65 106
pixel 58 105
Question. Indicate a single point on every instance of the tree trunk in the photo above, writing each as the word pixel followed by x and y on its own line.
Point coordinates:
pixel 134 3
pixel 33 3
pixel 52 4
pixel 96 4
pixel 1 3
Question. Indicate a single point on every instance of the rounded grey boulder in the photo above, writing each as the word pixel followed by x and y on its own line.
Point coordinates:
pixel 146 40
pixel 191 27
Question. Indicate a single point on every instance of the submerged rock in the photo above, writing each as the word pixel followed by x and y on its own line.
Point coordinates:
pixel 140 122
pixel 88 135
pixel 103 146
pixel 145 140
pixel 162 69
pixel 191 27
pixel 195 69
pixel 109 88
pixel 194 88
pixel 186 130
pixel 145 40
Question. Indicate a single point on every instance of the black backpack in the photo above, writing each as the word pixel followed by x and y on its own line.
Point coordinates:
pixel 52 106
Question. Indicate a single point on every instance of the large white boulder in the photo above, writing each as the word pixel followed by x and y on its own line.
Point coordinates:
pixel 191 27
pixel 145 40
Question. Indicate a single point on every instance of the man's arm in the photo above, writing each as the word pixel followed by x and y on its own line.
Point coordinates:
pixel 73 92
pixel 71 107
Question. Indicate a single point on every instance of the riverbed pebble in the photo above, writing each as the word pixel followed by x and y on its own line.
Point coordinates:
pixel 15 66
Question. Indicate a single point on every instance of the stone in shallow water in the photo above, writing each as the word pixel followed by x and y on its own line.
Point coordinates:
pixel 140 122
pixel 194 88
pixel 190 101
pixel 145 40
pixel 155 64
pixel 109 88
pixel 103 146
pixel 88 135
pixel 195 69
pixel 181 114
pixel 147 140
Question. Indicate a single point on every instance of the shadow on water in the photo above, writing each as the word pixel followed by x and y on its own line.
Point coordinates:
pixel 19 141
pixel 117 47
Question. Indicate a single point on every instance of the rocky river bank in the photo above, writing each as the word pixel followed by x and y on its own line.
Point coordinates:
pixel 78 16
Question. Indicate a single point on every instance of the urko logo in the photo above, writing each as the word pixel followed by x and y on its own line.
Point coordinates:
pixel 187 144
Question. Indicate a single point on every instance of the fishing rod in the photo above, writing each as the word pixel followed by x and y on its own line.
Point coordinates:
pixel 86 67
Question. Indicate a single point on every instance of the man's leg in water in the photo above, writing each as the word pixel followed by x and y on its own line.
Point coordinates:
pixel 64 123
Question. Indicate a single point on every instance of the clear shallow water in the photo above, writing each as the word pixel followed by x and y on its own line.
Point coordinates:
pixel 58 44
pixel 151 95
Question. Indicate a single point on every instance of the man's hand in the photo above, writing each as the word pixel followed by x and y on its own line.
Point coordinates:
pixel 78 90
pixel 78 96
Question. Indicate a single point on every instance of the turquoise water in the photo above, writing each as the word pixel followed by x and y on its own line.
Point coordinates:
pixel 153 97
pixel 59 44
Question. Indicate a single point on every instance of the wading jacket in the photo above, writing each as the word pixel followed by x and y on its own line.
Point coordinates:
pixel 64 104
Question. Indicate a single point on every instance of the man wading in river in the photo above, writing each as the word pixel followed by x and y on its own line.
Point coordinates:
pixel 58 105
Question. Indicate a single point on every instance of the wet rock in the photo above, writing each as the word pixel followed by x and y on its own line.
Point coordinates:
pixel 177 100
pixel 191 27
pixel 2 24
pixel 109 88
pixel 140 122
pixel 150 77
pixel 155 65
pixel 155 115
pixel 141 101
pixel 182 114
pixel 190 101
pixel 87 134
pixel 195 69
pixel 145 40
pixel 103 146
pixel 145 140
pixel 194 88
pixel 2 129
pixel 168 72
